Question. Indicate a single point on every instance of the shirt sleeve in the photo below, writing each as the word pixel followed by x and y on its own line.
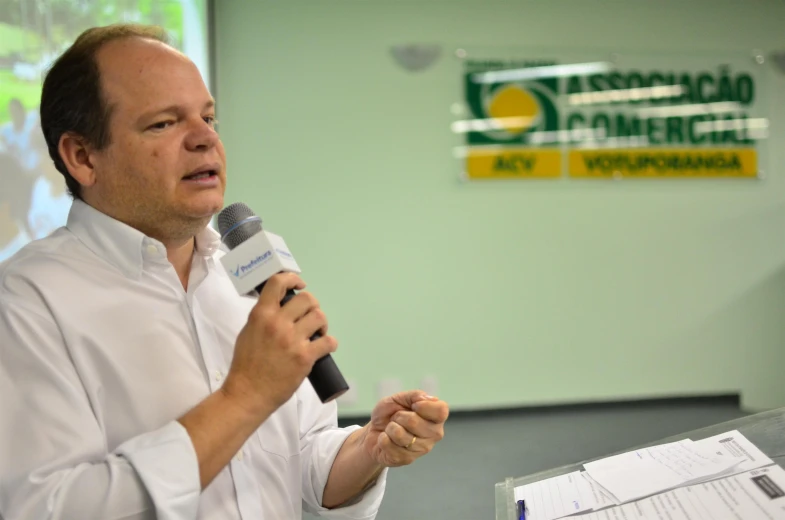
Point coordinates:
pixel 53 455
pixel 320 441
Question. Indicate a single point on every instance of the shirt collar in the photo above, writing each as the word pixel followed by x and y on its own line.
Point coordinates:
pixel 123 246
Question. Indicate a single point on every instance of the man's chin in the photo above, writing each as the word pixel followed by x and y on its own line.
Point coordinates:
pixel 207 207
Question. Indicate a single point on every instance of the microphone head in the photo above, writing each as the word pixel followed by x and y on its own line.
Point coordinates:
pixel 237 223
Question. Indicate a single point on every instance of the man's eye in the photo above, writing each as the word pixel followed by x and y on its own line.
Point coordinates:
pixel 210 120
pixel 161 125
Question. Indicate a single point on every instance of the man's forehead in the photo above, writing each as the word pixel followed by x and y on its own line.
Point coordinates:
pixel 138 65
pixel 125 51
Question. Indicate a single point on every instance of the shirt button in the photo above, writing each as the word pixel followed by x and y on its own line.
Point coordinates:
pixel 239 456
pixel 152 249
pixel 218 375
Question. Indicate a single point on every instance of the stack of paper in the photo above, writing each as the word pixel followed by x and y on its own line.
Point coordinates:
pixel 736 445
pixel 753 495
pixel 562 496
pixel 557 497
pixel 642 473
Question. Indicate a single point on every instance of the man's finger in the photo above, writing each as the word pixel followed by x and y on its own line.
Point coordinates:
pixel 398 434
pixel 314 321
pixel 434 411
pixel 393 454
pixel 323 346
pixel 276 287
pixel 409 397
pixel 413 424
pixel 396 402
pixel 299 306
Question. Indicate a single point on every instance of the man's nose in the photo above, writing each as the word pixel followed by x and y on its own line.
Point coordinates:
pixel 202 136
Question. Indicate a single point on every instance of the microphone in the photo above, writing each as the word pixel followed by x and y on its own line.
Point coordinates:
pixel 254 256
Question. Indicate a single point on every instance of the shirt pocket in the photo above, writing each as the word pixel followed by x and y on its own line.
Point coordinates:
pixel 280 433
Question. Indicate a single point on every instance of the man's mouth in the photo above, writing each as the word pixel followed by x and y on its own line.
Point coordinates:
pixel 196 176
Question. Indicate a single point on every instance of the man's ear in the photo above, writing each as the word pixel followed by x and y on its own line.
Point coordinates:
pixel 75 153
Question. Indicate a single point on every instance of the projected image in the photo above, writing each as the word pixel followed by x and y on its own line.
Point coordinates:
pixel 33 197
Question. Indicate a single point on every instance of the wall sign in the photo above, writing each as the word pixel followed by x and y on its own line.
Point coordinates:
pixel 631 116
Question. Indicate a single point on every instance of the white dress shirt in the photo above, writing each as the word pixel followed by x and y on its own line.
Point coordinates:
pixel 101 350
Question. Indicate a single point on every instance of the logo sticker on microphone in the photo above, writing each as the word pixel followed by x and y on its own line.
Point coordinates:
pixel 244 269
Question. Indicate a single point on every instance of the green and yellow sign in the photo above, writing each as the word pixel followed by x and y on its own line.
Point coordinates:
pixel 545 118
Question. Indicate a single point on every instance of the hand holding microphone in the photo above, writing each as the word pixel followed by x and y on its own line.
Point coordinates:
pixel 273 352
pixel 285 337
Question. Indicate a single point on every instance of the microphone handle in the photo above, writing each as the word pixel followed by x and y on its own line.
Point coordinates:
pixel 325 377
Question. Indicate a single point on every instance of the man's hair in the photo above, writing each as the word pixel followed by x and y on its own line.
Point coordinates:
pixel 72 99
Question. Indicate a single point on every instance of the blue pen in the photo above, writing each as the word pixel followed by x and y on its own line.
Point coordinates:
pixel 521 510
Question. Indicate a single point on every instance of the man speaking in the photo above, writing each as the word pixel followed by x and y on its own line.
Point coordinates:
pixel 134 381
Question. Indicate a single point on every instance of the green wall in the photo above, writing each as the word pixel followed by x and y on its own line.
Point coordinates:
pixel 508 293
